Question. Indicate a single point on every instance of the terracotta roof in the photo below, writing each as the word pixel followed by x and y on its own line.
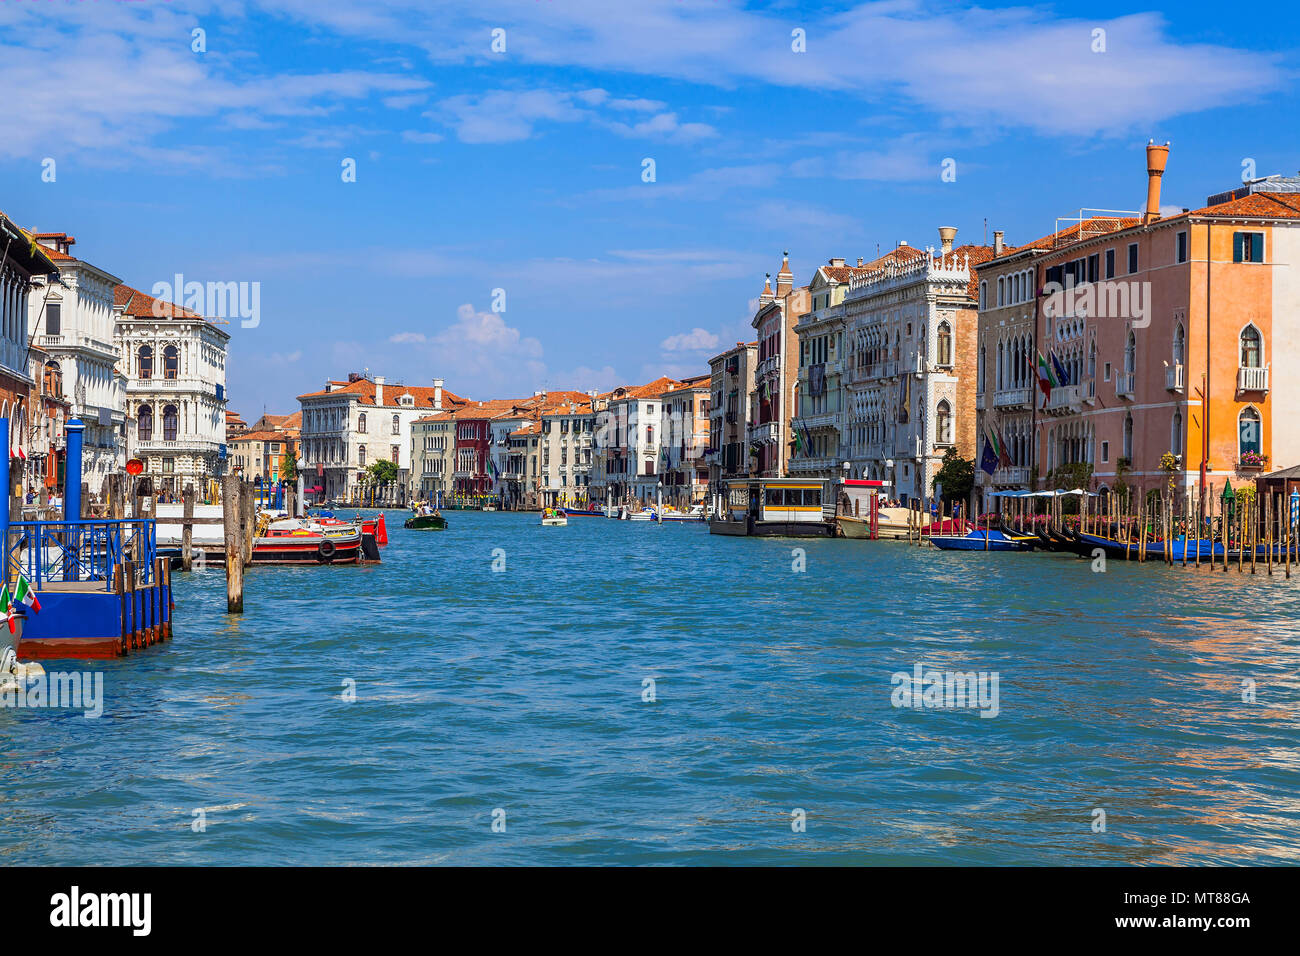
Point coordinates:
pixel 136 303
pixel 41 259
pixel 364 389
pixel 262 436
pixel 1262 205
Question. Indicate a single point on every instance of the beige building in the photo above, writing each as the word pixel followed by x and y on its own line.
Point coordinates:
pixel 433 453
pixel 731 381
pixel 567 436
pixel 684 427
pixel 819 415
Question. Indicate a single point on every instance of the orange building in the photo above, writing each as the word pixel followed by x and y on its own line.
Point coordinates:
pixel 1163 338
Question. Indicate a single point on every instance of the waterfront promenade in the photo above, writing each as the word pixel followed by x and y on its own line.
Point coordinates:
pixel 525 691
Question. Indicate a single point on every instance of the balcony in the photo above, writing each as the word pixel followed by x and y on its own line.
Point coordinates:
pixel 1013 398
pixel 1011 476
pixel 1174 381
pixel 1252 379
pixel 827 420
pixel 73 339
pixel 1064 399
pixel 817 466
pixel 766 432
pixel 1125 384
pixel 176 446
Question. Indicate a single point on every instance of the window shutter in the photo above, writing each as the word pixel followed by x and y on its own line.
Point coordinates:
pixel 1257 248
pixel 1238 239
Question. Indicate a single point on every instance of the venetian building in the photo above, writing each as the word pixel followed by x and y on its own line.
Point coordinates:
pixel 174 361
pixel 910 318
pixel 777 373
pixel 72 319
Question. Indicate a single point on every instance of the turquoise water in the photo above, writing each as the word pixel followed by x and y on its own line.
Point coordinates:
pixel 522 691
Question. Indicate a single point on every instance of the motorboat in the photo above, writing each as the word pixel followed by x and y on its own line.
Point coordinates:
pixel 552 518
pixel 291 541
pixel 426 521
pixel 983 539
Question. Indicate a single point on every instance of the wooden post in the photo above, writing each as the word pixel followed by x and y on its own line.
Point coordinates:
pixel 119 588
pixel 129 609
pixel 247 520
pixel 187 529
pixel 232 528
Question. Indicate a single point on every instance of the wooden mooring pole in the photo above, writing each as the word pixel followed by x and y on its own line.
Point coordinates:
pixel 231 503
pixel 187 529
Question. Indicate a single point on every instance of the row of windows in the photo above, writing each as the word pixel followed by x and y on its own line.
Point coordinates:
pixel 361 424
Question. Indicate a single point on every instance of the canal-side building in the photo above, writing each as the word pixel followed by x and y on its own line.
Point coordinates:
pixel 71 318
pixel 821 388
pixel 25 400
pixel 776 375
pixel 174 363
pixel 626 451
pixel 731 381
pixel 1169 334
pixel 351 424
pixel 684 427
pixel 259 456
pixel 433 456
pixel 911 324
pixel 567 437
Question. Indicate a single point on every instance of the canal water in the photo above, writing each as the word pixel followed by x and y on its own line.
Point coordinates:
pixel 625 693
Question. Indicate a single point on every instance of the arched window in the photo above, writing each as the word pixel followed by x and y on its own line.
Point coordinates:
pixel 979 373
pixel 1176 434
pixel 1252 348
pixel 943 423
pixel 145 361
pixel 171 362
pixel 1249 433
pixel 1130 354
pixel 397 425
pixel 984 295
pixel 144 423
pixel 649 434
pixel 169 422
pixel 943 344
pixel 361 455
pixel 1180 344
pixel 1001 290
pixel 361 423
pixel 1128 437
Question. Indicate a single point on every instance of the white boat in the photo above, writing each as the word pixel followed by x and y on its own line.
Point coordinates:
pixel 695 514
pixel 646 515
pixel 554 520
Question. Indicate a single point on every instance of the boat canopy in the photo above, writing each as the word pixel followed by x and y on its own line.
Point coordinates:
pixel 1079 492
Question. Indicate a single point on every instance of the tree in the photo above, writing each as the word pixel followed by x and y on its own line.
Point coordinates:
pixel 288 468
pixel 382 471
pixel 956 475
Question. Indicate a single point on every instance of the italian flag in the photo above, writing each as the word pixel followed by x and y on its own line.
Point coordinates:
pixel 1046 377
pixel 7 608
pixel 26 595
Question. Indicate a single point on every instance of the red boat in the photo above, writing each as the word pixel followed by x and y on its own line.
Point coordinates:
pixel 293 542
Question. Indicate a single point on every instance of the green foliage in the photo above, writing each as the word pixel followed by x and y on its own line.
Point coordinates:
pixel 957 475
pixel 381 472
pixel 288 468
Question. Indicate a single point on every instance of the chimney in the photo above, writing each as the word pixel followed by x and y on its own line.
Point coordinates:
pixel 379 389
pixel 837 262
pixel 946 235
pixel 784 278
pixel 901 243
pixel 997 241
pixel 437 393
pixel 1157 156
pixel 859 262
pixel 766 297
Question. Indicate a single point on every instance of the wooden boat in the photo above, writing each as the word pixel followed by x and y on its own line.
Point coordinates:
pixel 295 542
pixel 583 512
pixel 421 522
pixel 553 519
pixel 1180 548
pixel 695 514
pixel 975 540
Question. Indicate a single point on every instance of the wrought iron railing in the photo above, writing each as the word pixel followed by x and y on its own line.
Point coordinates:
pixel 61 551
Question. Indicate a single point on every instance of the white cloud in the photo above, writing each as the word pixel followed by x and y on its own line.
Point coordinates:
pixel 696 340
pixel 408 338
pixel 416 136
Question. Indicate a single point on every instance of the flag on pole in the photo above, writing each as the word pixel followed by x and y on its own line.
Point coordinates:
pixel 989 460
pixel 1045 381
pixel 24 593
pixel 1062 373
pixel 799 447
pixel 7 608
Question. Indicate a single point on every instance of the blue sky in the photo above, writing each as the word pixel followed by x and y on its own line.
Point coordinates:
pixel 522 170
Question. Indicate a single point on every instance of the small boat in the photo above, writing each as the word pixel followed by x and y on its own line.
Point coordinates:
pixel 695 514
pixel 645 515
pixel 1180 548
pixel 584 512
pixel 426 522
pixel 983 539
pixel 551 518
pixel 893 524
pixel 291 541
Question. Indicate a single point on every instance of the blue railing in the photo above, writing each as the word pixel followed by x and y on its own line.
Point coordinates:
pixel 58 551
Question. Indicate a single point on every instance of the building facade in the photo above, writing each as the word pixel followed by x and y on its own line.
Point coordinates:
pixel 174 363
pixel 776 375
pixel 72 320
pixel 567 438
pixel 433 456
pixel 684 427
pixel 732 383
pixel 911 324
pixel 821 387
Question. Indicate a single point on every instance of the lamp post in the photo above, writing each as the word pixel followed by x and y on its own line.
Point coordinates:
pixel 298 504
